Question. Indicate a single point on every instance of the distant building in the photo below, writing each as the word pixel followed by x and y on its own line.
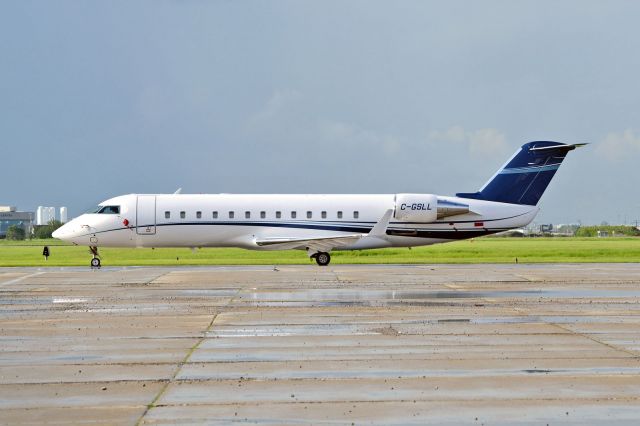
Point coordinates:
pixel 10 216
pixel 63 215
pixel 44 215
pixel 546 229
pixel 566 230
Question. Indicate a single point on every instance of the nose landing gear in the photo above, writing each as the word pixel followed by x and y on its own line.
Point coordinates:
pixel 95 262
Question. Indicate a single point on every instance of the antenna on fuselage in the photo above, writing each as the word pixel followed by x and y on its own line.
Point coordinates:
pixel 178 191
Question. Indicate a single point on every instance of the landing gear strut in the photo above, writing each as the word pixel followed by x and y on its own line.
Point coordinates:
pixel 322 258
pixel 95 262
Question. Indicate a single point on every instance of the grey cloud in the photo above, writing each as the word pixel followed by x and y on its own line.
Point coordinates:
pixel 619 146
pixel 480 144
pixel 288 96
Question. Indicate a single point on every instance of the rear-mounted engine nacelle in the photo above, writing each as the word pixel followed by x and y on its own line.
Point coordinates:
pixel 426 208
pixel 416 208
pixel 450 208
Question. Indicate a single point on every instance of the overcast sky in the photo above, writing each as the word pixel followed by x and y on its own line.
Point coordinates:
pixel 105 98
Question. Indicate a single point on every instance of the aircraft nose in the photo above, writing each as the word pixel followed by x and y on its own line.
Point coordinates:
pixel 58 233
pixel 65 232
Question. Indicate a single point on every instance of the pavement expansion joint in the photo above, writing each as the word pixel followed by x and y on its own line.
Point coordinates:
pixel 181 364
pixel 20 279
pixel 633 353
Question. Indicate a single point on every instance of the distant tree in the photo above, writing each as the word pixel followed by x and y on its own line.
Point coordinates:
pixel 612 230
pixel 45 231
pixel 15 232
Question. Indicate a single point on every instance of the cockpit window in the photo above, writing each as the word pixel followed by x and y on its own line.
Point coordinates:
pixel 107 210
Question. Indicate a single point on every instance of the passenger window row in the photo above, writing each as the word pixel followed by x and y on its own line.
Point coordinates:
pixel 263 214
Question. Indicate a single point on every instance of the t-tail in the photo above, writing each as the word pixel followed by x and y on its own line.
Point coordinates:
pixel 525 177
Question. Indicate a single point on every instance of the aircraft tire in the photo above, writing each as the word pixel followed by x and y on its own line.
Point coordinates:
pixel 323 258
pixel 95 262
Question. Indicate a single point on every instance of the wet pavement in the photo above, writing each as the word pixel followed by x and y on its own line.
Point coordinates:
pixel 374 344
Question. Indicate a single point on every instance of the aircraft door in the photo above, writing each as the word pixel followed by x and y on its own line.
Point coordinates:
pixel 146 215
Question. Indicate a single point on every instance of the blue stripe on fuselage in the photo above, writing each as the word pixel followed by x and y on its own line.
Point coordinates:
pixel 359 227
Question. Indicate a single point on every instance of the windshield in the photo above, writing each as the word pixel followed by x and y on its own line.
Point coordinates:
pixel 106 210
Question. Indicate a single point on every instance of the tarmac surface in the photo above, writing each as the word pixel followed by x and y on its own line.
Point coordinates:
pixel 474 344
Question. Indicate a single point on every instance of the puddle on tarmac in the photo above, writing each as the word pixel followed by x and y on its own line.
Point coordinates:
pixel 307 303
pixel 324 295
pixel 393 373
pixel 68 300
pixel 555 319
pixel 25 301
pixel 215 293
pixel 294 330
pixel 374 327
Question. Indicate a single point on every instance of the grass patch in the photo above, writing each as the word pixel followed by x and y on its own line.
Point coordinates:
pixel 482 250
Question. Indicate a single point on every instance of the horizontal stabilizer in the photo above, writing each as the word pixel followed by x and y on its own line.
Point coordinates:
pixel 567 147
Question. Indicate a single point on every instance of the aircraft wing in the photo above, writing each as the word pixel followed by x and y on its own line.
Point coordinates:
pixel 326 244
pixel 313 244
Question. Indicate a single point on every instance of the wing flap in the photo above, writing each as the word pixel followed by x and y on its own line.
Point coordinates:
pixel 317 243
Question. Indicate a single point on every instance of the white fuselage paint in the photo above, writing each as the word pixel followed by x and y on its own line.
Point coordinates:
pixel 143 222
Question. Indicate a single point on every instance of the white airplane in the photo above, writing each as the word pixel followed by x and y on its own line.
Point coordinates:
pixel 322 223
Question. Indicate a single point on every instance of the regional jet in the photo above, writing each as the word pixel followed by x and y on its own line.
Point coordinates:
pixel 319 223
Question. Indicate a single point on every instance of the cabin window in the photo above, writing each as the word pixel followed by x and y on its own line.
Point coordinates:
pixel 309 215
pixel 323 215
pixel 247 215
pixel 214 215
pixel 199 215
pixel 278 215
pixel 167 215
pixel 339 215
pixel 231 214
pixel 356 214
pixel 183 215
pixel 293 215
pixel 263 215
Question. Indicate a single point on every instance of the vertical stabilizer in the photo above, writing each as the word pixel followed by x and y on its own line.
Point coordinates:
pixel 525 177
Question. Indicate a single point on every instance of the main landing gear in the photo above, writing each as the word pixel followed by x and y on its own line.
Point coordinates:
pixel 322 258
pixel 95 262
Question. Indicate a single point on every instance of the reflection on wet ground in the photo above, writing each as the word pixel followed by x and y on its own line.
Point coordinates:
pixel 381 344
pixel 320 295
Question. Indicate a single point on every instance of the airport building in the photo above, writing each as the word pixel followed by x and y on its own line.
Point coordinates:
pixel 9 216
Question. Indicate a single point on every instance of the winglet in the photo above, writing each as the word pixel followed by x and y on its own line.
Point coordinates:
pixel 380 228
pixel 178 191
